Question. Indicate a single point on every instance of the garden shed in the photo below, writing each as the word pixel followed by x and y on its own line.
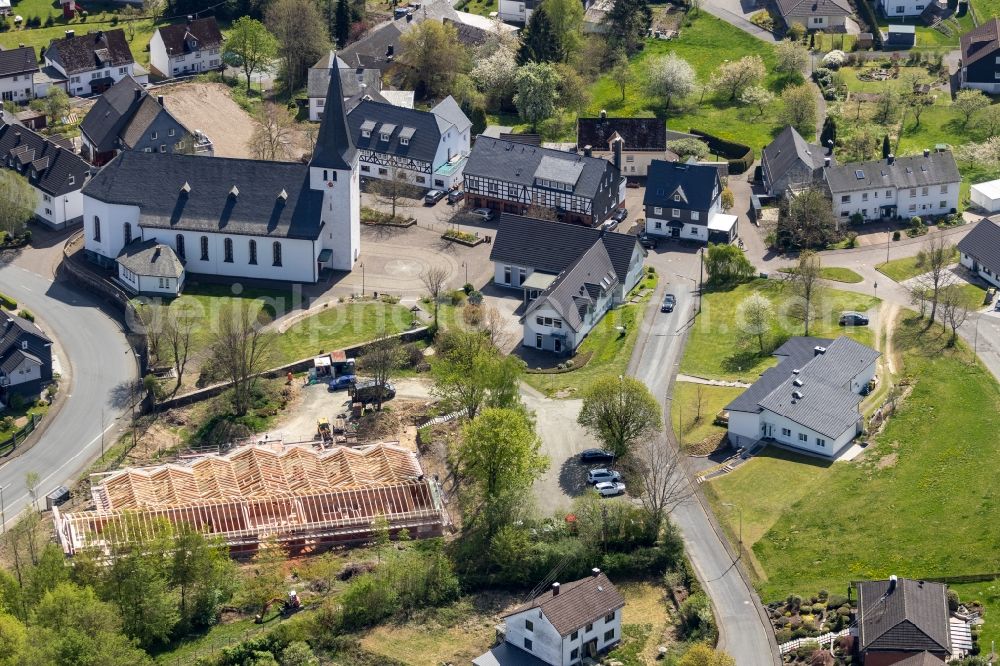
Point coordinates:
pixel 986 195
pixel 900 37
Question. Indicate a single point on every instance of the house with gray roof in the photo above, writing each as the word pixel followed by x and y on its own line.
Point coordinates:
pixel 423 148
pixel 513 177
pixel 355 82
pixel 631 143
pixel 809 401
pixel 186 48
pixel 25 358
pixel 93 62
pixel 683 200
pixel 979 250
pixel 791 161
pixel 816 14
pixel 569 276
pixel 17 69
pixel 150 268
pixel 903 621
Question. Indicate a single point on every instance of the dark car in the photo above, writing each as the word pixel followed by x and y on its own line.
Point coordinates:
pixel 434 196
pixel 596 455
pixel 669 301
pixel 341 382
pixel 620 215
pixel 853 319
pixel 647 241
pixel 455 196
pixel 367 391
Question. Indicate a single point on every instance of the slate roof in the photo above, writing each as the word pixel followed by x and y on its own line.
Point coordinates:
pixel 13 331
pixel 18 61
pixel 828 405
pixel 578 287
pixel 551 247
pixel 372 50
pixel 983 243
pixel 205 31
pixel 694 182
pixel 449 111
pixel 154 181
pixel 517 163
pixel 146 112
pixel 125 111
pixel 638 133
pixel 507 654
pixel 797 9
pixel 319 79
pixel 788 150
pixel 981 42
pixel 47 165
pixel 94 50
pixel 578 603
pixel 334 147
pixel 937 168
pixel 911 618
pixel 924 658
pixel 422 145
pixel 151 258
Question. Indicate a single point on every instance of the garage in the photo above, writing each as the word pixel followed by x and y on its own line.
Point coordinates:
pixel 986 195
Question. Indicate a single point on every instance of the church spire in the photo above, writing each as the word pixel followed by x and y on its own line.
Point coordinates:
pixel 334 147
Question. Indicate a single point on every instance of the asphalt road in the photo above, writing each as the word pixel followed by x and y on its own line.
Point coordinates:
pixel 98 357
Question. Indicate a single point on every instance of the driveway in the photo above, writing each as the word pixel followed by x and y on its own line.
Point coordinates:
pixel 738 13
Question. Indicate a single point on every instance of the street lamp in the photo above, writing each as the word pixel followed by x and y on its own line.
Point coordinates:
pixel 3 514
pixel 701 272
pixel 975 339
pixel 362 279
pixel 875 290
pixel 888 237
pixel 465 265
pixel 739 555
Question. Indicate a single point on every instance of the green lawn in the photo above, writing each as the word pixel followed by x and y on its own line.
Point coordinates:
pixel 714 350
pixel 906 268
pixel 18 415
pixel 930 39
pixel 922 503
pixel 988 593
pixel 834 273
pixel 481 7
pixel 340 326
pixel 684 410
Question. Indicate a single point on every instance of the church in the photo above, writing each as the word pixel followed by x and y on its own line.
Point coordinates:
pixel 227 217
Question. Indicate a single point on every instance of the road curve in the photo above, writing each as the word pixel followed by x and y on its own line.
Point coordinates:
pixel 99 358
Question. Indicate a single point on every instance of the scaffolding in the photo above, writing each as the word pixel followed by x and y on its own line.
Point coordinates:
pixel 298 496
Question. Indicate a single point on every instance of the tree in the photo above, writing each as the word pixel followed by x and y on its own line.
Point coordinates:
pixel 566 18
pixel 806 287
pixel 728 199
pixel 128 15
pixel 537 92
pixel 755 315
pixel 886 107
pixel 500 457
pixel 203 575
pixel 990 120
pixel 758 97
pixel 153 9
pixel 431 57
pixel 733 77
pixel 886 147
pixel 861 144
pixel 796 31
pixel 31 481
pixel 55 105
pixel 670 76
pixel 954 309
pixel 388 191
pixel 627 24
pixel 265 580
pixel 253 46
pixel 727 264
pixel 915 99
pixel 539 42
pixel 663 479
pixel 298 653
pixel 342 26
pixel 13 640
pixel 17 202
pixel 701 654
pixel 178 328
pixel 300 31
pixel 620 411
pixel 934 259
pixel 434 280
pixel 829 133
pixel 381 358
pixel 495 73
pixel 272 134
pixel 242 348
pixel 799 108
pixel 685 148
pixel 792 57
pixel 470 372
pixel 621 73
pixel 806 221
pixel 968 102
pixel 137 582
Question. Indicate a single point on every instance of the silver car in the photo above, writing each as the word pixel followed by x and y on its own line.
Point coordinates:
pixel 610 488
pixel 601 474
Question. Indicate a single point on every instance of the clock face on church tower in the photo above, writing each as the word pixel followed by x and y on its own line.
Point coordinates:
pixel 329 183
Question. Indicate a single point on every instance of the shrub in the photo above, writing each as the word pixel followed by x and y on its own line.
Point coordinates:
pixel 49 22
pixel 953 600
pixel 895 235
pixel 836 600
pixel 26 314
pixel 740 157
pixel 823 595
pixel 8 302
pixel 783 635
pixel 834 59
pixel 852 239
pixel 7 423
pixel 763 20
pixel 468 288
pixel 818 608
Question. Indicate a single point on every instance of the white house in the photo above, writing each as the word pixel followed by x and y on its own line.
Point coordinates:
pixel 93 62
pixel 186 48
pixel 684 201
pixel 55 173
pixel 25 358
pixel 150 268
pixel 17 69
pixel 919 185
pixel 562 626
pixel 231 217
pixel 809 401
pixel 630 143
pixel 905 8
pixel 979 251
pixel 425 148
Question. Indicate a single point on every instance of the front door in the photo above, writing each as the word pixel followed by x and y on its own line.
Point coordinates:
pixel 675 232
pixel 8 96
pixel 538 341
pixel 558 344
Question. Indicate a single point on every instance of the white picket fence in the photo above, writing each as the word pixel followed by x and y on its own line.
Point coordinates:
pixel 823 639
pixel 447 417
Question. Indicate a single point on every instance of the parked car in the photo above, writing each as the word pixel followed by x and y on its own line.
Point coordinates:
pixel 596 455
pixel 997 308
pixel 853 319
pixel 669 301
pixel 647 241
pixel 610 488
pixel 434 196
pixel 602 474
pixel 341 382
pixel 609 225
pixel 367 391
pixel 620 215
pixel 455 196
pixel 483 214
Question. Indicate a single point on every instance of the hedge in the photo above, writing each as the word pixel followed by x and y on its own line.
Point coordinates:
pixel 8 302
pixel 740 157
pixel 868 16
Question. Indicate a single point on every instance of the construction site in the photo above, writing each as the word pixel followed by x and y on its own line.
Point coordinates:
pixel 300 496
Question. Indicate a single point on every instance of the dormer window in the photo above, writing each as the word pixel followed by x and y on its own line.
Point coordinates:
pixel 383 136
pixel 366 128
pixel 402 141
pixel 72 180
pixel 677 197
pixel 24 344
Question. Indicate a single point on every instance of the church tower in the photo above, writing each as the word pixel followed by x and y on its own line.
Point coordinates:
pixel 334 171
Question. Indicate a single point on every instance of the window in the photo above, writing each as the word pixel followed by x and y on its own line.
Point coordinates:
pixel 527 644
pixel 521 275
pixel 657 210
pixel 152 136
pixel 529 625
pixel 276 253
pixel 658 225
pixel 900 9
pixel 227 250
pixel 179 242
pixel 383 136
pixel 71 180
pixel 888 193
pixel 675 213
pixel 575 652
pixel 913 207
pixel 421 179
pixel 786 432
pixel 163 147
pixel 864 196
pixel 820 441
pixel 677 197
pixel 547 321
pixel 695 215
pixel 694 231
pixel 383 172
pixel 366 133
pixel 913 192
pixel 944 189
pixel 253 252
pixel 539 321
pixel 403 141
pixel 97 229
pixel 575 635
pixel 46 198
pixel 630 158
pixel 589 628
pixel 610 617
pixel 609 634
pixel 163 283
pixel 803 437
pixel 365 168
pixel 557 323
pixel 923 191
pixel 845 198
pixel 170 132
pixel 204 248
pixel 48 211
pixel 506 275
pixel 944 204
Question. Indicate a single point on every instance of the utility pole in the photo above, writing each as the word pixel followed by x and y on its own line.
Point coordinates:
pixel 701 272
pixel 362 279
pixel 888 237
pixel 739 509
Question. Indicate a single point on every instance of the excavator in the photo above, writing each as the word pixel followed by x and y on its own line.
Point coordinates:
pixel 289 605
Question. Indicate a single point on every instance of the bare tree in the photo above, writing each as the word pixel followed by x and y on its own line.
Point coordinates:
pixel 434 279
pixel 31 481
pixel 127 395
pixel 151 318
pixel 805 285
pixel 918 296
pixel 934 258
pixel 665 483
pixel 381 359
pixel 242 348
pixel 177 331
pixel 699 398
pixel 496 326
pixel 954 309
pixel 389 191
pixel 272 137
pixel 540 212
pixel 128 16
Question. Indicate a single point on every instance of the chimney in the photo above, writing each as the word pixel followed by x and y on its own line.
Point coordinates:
pixel 595 572
pixel 555 589
pixel 17 138
pixel 159 100
pixel 70 34
pixel 235 192
pixel 891 159
pixel 826 161
pixel 616 148
pixel 138 94
pixel 588 150
pixel 927 152
pixel 186 187
pixel 190 19
pixel 99 36
pixel 817 350
pixel 390 51
pixel 829 146
pixel 283 195
pixel 892 584
pixel 604 114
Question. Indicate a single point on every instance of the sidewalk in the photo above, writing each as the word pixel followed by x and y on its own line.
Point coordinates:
pixel 733 13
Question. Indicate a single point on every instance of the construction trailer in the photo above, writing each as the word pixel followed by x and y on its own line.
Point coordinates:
pixel 300 497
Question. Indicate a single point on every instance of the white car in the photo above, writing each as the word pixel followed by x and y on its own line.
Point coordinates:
pixel 610 488
pixel 601 474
